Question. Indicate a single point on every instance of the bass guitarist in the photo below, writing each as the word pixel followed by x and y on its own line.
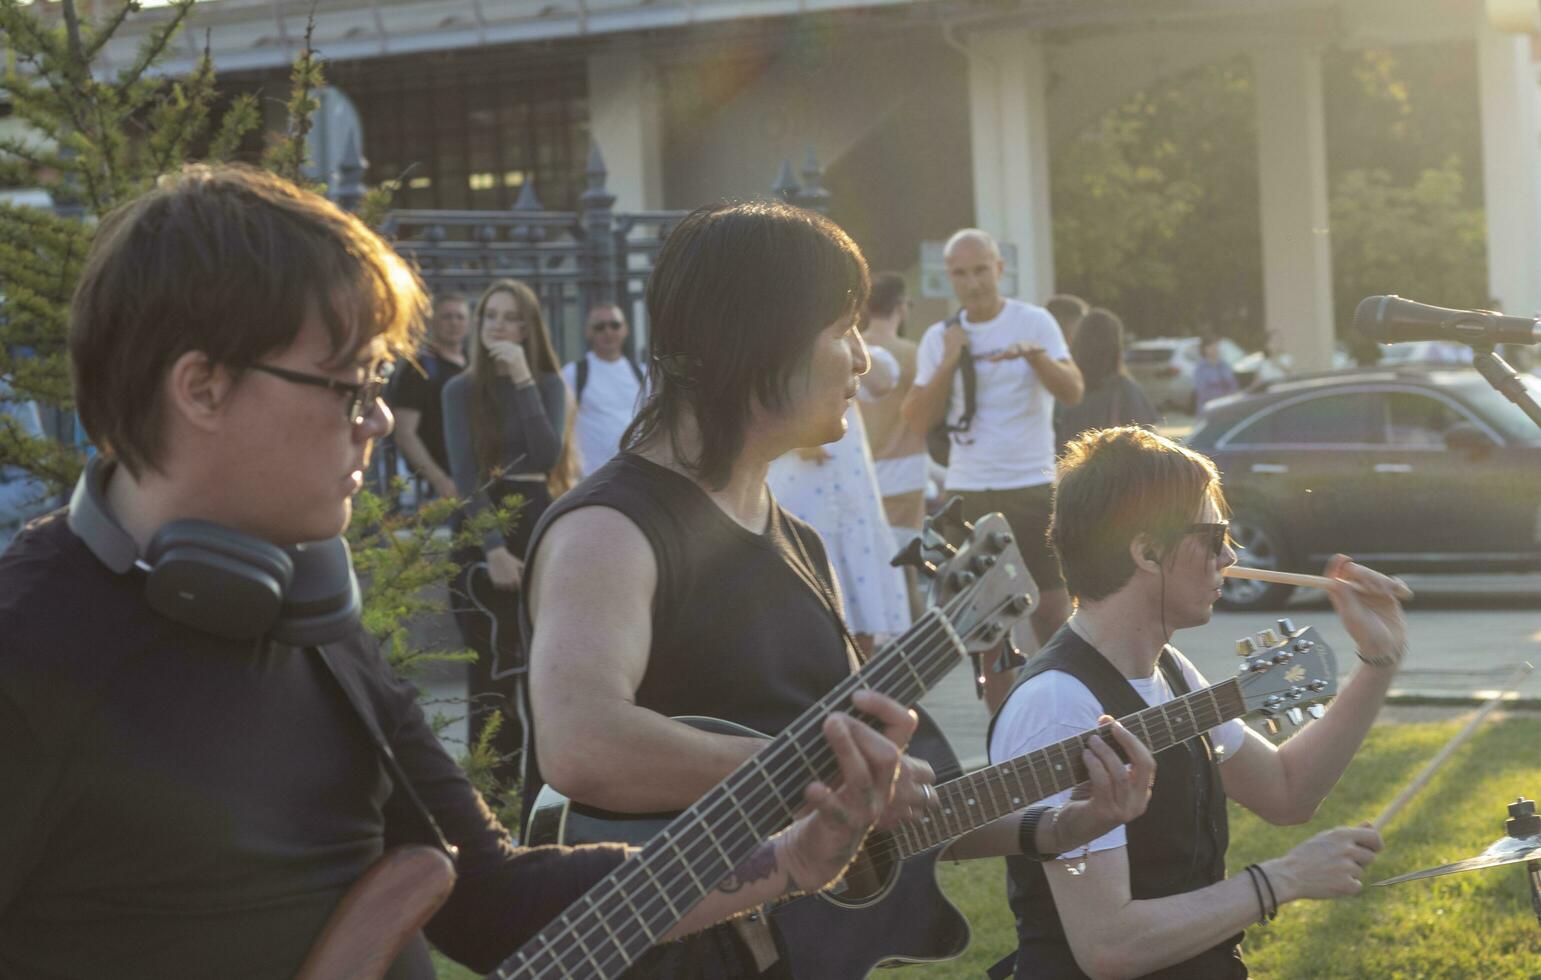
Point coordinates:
pixel 200 747
pixel 699 594
pixel 1138 524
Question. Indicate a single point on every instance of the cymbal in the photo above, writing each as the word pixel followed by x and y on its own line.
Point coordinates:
pixel 1522 843
pixel 1505 850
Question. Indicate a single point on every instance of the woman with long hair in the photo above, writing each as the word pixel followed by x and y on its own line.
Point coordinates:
pixel 508 427
pixel 1112 397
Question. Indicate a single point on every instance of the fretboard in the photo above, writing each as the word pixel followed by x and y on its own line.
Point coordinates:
pixel 971 801
pixel 635 905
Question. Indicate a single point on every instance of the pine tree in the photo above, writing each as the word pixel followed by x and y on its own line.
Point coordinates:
pixel 94 142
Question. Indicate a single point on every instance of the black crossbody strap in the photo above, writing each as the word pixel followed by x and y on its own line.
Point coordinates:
pixel 355 698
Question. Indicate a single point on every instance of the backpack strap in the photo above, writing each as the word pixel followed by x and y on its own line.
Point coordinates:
pixel 582 377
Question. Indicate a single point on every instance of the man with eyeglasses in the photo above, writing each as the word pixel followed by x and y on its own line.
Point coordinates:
pixel 608 384
pixel 202 750
pixel 1139 528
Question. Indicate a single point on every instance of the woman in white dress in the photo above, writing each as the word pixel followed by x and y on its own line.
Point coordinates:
pixel 835 489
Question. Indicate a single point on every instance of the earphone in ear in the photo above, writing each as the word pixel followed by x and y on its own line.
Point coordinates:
pixel 223 581
pixel 1150 555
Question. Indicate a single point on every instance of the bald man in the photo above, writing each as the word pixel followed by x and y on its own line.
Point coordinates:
pixel 1004 460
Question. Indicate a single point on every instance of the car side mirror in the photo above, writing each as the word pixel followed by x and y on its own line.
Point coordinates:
pixel 1467 438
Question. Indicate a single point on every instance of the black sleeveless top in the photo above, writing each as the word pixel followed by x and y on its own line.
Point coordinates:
pixel 1176 846
pixel 743 623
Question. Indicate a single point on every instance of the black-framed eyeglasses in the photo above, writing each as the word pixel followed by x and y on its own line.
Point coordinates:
pixel 361 396
pixel 1219 532
pixel 606 325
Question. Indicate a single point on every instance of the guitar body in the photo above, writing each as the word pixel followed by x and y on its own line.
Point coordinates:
pixel 887 913
pixel 380 914
pixel 884 911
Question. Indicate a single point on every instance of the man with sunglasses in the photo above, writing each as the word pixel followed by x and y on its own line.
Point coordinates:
pixel 608 384
pixel 188 788
pixel 1140 531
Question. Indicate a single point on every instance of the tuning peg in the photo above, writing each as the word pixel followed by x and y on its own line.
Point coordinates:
pixel 979 564
pixel 914 555
pixel 1296 716
pixel 1246 646
pixel 998 541
pixel 1268 638
pixel 1316 710
pixel 1302 646
pixel 960 580
pixel 1271 725
pixel 1018 605
pixel 1286 626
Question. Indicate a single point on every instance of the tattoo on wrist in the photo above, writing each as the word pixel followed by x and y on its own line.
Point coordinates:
pixel 759 866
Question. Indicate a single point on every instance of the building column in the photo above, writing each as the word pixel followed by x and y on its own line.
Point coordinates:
pixel 1292 174
pixel 625 120
pixel 1009 137
pixel 1511 170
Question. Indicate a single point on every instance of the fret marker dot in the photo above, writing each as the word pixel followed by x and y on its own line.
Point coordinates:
pixel 970 802
pixel 1017 800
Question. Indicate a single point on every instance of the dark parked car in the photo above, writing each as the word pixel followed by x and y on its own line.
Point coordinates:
pixel 1414 469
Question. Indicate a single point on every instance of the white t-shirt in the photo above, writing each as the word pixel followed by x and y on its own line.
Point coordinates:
pixel 610 401
pixel 1055 706
pixel 1010 443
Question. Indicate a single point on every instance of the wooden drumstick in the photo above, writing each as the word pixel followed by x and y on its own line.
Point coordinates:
pixel 1461 737
pixel 1283 578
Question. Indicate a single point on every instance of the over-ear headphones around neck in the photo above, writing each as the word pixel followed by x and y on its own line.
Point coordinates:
pixel 222 581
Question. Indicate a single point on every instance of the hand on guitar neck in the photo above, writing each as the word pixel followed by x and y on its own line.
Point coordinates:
pixel 1117 790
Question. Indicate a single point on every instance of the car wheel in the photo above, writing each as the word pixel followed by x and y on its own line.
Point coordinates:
pixel 1257 545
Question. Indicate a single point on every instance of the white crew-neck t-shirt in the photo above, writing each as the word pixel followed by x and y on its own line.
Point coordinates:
pixel 1011 441
pixel 610 401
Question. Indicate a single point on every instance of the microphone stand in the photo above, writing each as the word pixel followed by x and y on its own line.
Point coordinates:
pixel 1506 381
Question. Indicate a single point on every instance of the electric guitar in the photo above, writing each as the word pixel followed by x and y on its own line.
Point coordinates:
pixel 978 590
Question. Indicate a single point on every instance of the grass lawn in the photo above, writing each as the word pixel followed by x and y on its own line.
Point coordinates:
pixel 1471 926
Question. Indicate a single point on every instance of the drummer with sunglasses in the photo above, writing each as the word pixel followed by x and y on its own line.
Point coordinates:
pixel 1139 527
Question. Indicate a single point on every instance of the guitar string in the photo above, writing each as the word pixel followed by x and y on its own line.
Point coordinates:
pixel 628 880
pixel 929 629
pixel 889 844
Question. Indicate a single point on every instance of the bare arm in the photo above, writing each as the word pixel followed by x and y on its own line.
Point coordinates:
pixel 416 453
pixel 594 743
pixel 1062 378
pixel 1113 935
pixel 925 405
pixel 1285 785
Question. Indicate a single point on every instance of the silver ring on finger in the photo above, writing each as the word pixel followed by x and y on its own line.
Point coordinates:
pixel 927 793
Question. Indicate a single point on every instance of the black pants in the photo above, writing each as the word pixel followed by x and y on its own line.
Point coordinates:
pixel 489 625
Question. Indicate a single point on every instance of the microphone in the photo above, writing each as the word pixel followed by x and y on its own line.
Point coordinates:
pixel 1392 320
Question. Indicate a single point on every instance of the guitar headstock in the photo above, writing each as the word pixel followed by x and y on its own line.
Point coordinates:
pixel 976 573
pixel 1286 673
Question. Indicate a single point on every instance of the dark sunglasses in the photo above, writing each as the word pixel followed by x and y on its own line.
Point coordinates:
pixel 1218 533
pixel 361 397
pixel 606 325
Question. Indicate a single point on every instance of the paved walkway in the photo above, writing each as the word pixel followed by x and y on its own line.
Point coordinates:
pixel 1467 634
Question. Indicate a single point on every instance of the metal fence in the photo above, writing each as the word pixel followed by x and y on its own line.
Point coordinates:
pixel 572 259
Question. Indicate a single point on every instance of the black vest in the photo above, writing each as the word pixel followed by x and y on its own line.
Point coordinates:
pixel 743 628
pixel 1177 846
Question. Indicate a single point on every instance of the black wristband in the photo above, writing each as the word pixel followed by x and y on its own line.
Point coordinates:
pixel 1262 907
pixel 1027 832
pixel 1272 898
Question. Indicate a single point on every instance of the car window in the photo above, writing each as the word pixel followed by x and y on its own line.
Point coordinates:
pixel 1501 413
pixel 1346 419
pixel 1417 420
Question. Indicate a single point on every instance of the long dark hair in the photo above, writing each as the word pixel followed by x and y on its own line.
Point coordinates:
pixel 734 303
pixel 486 427
pixel 1098 348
